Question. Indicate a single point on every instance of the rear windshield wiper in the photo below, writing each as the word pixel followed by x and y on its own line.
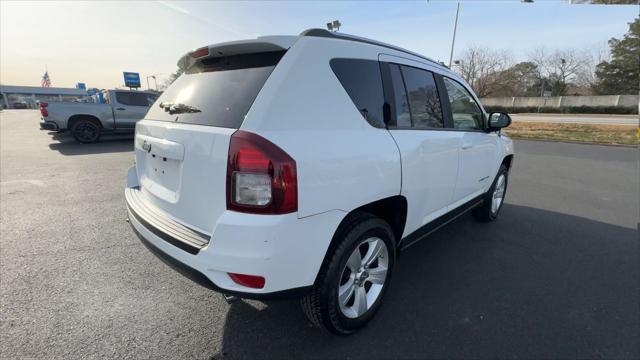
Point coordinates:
pixel 179 108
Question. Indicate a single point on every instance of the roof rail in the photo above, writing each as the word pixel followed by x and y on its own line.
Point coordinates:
pixel 336 35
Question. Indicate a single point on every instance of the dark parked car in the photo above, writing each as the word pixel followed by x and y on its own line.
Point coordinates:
pixel 19 105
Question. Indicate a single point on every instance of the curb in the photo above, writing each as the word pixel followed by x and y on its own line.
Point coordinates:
pixel 575 142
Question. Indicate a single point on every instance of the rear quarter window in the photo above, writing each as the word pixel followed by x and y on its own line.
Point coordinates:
pixel 362 81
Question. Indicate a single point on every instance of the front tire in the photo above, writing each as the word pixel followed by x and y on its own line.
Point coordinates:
pixel 494 198
pixel 354 278
pixel 86 131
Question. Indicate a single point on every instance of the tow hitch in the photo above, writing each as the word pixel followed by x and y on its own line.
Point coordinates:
pixel 230 299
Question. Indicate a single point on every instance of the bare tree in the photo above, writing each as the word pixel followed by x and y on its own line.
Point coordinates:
pixel 479 66
pixel 562 68
pixel 539 57
pixel 593 56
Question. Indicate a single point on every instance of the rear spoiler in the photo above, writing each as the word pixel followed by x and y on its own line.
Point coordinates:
pixel 261 44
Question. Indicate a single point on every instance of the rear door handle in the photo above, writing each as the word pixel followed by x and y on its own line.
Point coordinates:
pixel 466 146
pixel 121 109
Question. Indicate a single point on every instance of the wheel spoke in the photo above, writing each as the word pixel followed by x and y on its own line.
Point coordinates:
pixel 345 291
pixel 354 261
pixel 498 194
pixel 377 275
pixel 360 301
pixel 495 205
pixel 375 247
pixel 86 132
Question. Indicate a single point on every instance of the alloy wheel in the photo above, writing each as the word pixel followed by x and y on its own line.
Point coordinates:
pixel 498 193
pixel 86 132
pixel 363 277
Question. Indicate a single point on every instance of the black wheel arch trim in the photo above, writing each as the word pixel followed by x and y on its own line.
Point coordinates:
pixel 77 117
pixel 508 161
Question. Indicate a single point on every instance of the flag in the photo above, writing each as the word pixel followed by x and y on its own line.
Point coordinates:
pixel 46 81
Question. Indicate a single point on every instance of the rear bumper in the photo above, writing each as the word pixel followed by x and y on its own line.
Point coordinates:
pixel 48 125
pixel 162 225
pixel 199 278
pixel 285 250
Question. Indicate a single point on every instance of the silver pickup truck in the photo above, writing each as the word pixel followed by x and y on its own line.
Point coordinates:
pixel 87 121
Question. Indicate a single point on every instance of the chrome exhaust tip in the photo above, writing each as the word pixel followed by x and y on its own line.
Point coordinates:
pixel 230 299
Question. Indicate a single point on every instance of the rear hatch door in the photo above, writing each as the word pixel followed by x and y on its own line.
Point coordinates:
pixel 181 147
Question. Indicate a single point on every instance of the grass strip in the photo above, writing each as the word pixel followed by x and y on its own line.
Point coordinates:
pixel 588 133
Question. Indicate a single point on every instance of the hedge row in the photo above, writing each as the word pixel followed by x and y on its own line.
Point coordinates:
pixel 565 110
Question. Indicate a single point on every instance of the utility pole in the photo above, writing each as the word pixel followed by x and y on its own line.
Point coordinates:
pixel 455 28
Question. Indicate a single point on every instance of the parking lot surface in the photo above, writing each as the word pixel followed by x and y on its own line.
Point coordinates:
pixel 556 276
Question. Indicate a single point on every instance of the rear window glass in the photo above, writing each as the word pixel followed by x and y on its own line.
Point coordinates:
pixel 216 91
pixel 362 80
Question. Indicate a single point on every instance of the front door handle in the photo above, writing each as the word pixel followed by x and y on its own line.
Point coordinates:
pixel 466 146
pixel 121 109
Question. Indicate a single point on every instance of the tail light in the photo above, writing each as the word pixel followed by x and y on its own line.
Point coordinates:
pixel 43 109
pixel 261 177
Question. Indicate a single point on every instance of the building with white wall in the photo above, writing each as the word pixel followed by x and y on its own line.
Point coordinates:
pixel 19 96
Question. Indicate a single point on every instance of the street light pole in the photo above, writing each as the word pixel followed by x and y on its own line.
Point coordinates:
pixel 455 28
pixel 154 80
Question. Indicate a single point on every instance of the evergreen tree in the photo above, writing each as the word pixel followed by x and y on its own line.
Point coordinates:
pixel 621 75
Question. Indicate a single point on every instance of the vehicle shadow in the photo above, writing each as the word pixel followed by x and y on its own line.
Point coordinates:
pixel 534 284
pixel 65 144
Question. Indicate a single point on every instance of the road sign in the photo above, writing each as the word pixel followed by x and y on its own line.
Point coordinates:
pixel 132 79
pixel 81 86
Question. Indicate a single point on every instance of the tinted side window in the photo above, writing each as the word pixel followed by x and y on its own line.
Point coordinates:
pixel 402 111
pixel 466 112
pixel 148 99
pixel 123 98
pixel 134 99
pixel 361 79
pixel 424 101
pixel 416 99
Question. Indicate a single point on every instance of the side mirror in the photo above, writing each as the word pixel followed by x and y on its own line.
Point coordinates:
pixel 498 120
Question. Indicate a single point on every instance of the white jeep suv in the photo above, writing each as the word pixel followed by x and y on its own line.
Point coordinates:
pixel 301 165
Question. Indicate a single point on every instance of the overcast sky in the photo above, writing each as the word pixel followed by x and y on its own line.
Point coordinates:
pixel 94 42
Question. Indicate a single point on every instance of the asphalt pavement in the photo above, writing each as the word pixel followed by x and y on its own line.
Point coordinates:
pixel 579 119
pixel 556 276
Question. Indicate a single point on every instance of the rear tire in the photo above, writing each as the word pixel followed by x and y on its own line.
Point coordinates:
pixel 494 197
pixel 355 276
pixel 86 131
